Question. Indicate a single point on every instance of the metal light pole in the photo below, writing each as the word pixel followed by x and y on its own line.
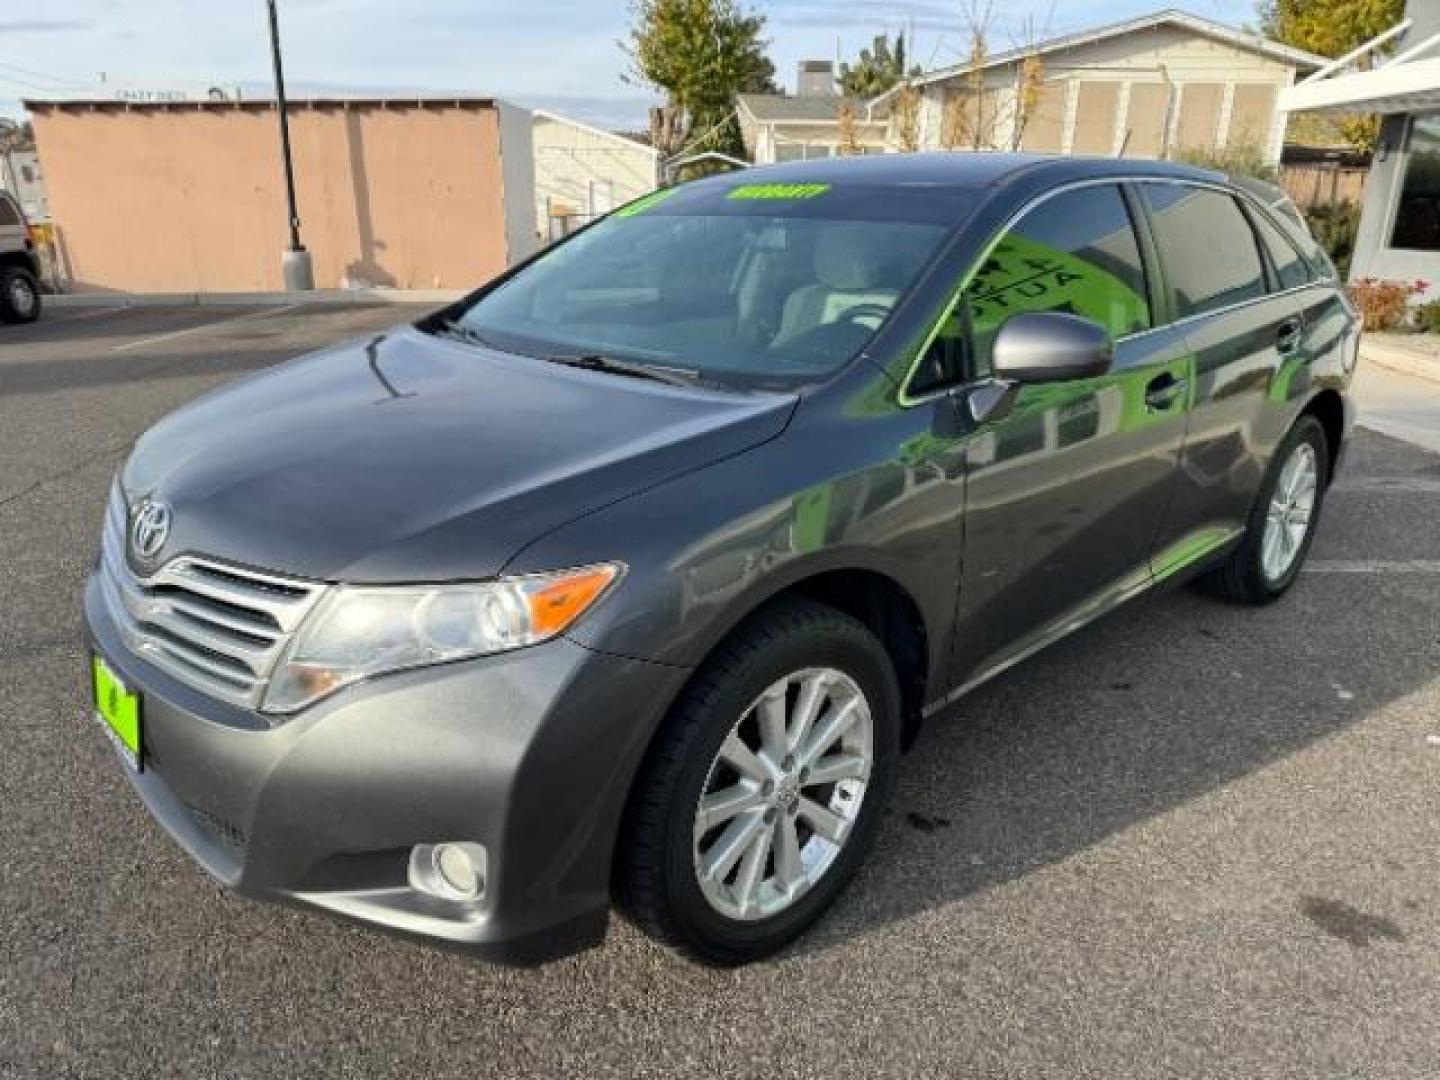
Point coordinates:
pixel 295 263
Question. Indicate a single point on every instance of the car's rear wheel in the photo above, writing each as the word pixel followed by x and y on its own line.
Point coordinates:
pixel 1282 522
pixel 19 295
pixel 762 793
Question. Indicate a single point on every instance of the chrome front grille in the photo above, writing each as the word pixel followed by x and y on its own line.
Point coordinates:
pixel 219 628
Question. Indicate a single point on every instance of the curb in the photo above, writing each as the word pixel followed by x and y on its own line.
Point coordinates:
pixel 252 299
pixel 1400 360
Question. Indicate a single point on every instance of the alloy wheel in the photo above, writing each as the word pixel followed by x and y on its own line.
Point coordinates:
pixel 783 794
pixel 1292 505
pixel 22 297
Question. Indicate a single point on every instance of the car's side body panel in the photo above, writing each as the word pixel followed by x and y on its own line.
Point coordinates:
pixel 1064 499
pixel 844 490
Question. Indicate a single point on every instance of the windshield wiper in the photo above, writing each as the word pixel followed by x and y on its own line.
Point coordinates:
pixel 674 376
pixel 460 332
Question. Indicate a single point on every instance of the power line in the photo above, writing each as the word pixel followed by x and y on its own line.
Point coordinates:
pixel 47 76
pixel 59 82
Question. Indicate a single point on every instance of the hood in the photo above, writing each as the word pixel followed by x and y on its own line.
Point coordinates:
pixel 414 458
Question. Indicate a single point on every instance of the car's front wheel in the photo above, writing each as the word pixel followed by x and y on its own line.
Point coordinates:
pixel 19 295
pixel 1282 523
pixel 762 793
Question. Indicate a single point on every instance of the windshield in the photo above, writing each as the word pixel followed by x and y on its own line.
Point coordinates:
pixel 749 285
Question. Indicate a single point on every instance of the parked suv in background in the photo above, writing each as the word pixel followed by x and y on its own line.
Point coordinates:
pixel 632 573
pixel 19 267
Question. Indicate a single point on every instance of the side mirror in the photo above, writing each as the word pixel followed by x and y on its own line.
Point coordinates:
pixel 1050 346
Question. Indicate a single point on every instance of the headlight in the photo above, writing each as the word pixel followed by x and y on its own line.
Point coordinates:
pixel 357 632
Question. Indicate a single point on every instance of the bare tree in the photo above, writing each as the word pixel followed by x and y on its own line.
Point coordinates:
pixel 849 129
pixel 16 135
pixel 907 117
pixel 978 115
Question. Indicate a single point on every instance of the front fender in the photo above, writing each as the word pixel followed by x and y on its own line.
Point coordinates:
pixel 706 549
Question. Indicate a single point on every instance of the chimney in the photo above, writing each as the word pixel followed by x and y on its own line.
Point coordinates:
pixel 817 79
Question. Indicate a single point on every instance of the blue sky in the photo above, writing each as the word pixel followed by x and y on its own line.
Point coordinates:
pixel 558 54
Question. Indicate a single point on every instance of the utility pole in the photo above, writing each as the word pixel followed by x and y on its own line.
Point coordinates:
pixel 295 263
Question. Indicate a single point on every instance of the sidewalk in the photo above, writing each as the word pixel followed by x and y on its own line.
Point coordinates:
pixel 1394 403
pixel 252 299
pixel 1410 354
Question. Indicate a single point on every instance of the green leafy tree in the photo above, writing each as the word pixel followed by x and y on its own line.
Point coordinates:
pixel 879 68
pixel 1328 27
pixel 1331 28
pixel 701 54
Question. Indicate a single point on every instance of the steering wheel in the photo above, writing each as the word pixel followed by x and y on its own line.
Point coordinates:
pixel 878 312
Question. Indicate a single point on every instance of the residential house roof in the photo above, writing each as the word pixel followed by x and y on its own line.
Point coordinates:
pixel 1240 39
pixel 1170 17
pixel 783 109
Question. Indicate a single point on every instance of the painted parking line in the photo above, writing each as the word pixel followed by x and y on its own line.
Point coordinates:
pixel 1389 485
pixel 188 330
pixel 1373 566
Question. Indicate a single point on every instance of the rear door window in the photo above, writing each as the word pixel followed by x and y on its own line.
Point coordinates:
pixel 1291 270
pixel 9 216
pixel 1207 246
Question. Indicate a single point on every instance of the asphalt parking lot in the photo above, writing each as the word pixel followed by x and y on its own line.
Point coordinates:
pixel 1193 840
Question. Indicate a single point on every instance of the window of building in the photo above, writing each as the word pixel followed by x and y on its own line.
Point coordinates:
pixel 800 151
pixel 1417 218
pixel 1207 245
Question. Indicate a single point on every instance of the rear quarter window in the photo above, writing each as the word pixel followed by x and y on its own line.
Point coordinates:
pixel 1207 245
pixel 1291 269
pixel 9 216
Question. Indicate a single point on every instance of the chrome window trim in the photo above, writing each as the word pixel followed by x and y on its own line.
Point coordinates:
pixel 906 400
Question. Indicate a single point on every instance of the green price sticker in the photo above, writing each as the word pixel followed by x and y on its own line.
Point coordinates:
pixel 778 191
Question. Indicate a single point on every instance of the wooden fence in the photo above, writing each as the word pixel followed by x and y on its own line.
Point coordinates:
pixel 1321 183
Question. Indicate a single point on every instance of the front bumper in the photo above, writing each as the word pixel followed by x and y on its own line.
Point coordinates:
pixel 529 753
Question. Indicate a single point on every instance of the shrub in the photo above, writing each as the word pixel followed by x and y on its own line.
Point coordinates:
pixel 1383 304
pixel 1427 317
pixel 1334 226
pixel 1246 159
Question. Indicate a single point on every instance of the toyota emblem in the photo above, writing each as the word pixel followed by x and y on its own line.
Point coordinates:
pixel 150 529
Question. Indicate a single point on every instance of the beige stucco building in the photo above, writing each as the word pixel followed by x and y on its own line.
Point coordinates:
pixel 405 193
pixel 1147 87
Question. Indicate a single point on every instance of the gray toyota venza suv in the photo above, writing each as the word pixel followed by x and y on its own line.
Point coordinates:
pixel 632 574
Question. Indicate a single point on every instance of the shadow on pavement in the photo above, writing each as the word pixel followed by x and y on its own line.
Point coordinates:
pixel 1155 706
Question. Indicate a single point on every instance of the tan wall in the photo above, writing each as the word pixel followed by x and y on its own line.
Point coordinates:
pixel 1252 114
pixel 1045 129
pixel 1095 114
pixel 1143 134
pixel 162 200
pixel 1199 123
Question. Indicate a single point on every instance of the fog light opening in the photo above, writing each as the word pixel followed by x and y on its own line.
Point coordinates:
pixel 451 871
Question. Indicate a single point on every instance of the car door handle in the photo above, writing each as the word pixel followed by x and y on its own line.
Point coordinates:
pixel 1287 336
pixel 1163 391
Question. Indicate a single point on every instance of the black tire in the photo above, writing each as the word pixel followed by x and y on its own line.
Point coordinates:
pixel 1241 578
pixel 656 884
pixel 13 278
